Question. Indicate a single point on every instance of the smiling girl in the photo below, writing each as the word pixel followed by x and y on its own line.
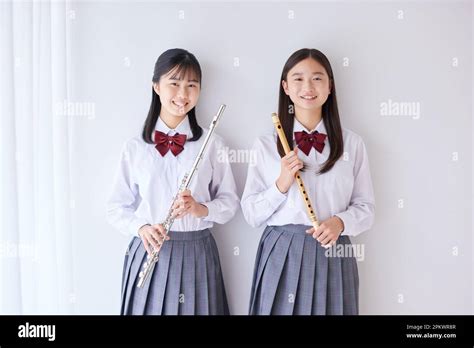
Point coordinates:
pixel 187 278
pixel 293 272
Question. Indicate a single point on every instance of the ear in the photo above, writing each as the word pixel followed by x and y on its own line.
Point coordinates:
pixel 330 87
pixel 284 84
pixel 156 88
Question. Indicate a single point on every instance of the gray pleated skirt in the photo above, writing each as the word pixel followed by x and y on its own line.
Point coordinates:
pixel 187 279
pixel 294 276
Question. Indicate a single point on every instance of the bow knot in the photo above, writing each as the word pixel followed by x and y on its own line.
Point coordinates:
pixel 165 142
pixel 306 141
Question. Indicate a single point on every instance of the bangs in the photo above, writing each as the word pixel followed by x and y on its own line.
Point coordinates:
pixel 186 69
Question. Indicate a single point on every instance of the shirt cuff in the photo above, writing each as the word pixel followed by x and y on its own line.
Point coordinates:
pixel 348 222
pixel 274 197
pixel 135 225
pixel 211 211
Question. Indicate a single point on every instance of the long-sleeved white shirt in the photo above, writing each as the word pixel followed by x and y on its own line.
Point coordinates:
pixel 345 191
pixel 146 183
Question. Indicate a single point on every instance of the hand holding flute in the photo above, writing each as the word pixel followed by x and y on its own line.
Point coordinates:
pixel 175 210
pixel 290 165
pixel 329 230
pixel 153 236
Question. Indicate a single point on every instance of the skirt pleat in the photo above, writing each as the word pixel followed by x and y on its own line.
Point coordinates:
pixel 267 242
pixel 173 284
pixel 321 270
pixel 134 269
pixel 293 275
pixel 202 292
pixel 221 300
pixel 334 288
pixel 304 300
pixel 129 255
pixel 288 284
pixel 211 278
pixel 186 280
pixel 272 273
pixel 351 287
pixel 155 294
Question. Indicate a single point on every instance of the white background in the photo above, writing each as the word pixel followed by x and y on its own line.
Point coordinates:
pixel 418 259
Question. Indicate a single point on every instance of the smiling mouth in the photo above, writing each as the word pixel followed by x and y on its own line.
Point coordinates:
pixel 308 97
pixel 179 105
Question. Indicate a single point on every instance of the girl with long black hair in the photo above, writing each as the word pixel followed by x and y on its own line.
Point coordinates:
pixel 295 272
pixel 187 278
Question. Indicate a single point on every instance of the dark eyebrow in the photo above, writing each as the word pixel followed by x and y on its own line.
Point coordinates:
pixel 314 73
pixel 178 79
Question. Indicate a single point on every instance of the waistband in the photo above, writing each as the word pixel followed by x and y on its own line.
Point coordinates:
pixel 291 228
pixel 301 229
pixel 189 235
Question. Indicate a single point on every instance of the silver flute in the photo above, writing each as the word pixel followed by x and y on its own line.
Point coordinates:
pixel 152 258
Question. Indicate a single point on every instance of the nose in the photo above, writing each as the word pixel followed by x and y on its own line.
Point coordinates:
pixel 308 86
pixel 182 92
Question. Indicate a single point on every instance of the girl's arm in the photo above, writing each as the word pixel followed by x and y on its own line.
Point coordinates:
pixel 125 198
pixel 223 190
pixel 260 199
pixel 359 216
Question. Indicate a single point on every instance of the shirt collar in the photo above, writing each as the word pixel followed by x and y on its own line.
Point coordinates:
pixel 182 128
pixel 298 127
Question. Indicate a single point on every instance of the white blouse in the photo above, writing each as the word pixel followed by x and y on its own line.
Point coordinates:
pixel 345 191
pixel 147 182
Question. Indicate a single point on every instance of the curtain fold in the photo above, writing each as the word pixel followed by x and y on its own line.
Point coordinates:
pixel 36 273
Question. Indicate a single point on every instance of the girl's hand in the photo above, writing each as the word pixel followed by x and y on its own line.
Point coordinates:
pixel 328 231
pixel 290 164
pixel 186 204
pixel 152 237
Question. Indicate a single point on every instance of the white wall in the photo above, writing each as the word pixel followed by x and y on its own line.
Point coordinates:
pixel 410 264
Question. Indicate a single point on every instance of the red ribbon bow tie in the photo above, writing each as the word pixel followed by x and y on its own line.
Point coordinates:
pixel 165 142
pixel 306 141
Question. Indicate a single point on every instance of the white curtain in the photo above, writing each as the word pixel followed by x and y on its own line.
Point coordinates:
pixel 36 265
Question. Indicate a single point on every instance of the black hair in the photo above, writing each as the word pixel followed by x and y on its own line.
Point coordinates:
pixel 329 114
pixel 183 61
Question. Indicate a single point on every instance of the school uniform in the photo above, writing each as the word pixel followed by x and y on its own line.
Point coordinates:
pixel 292 274
pixel 187 278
